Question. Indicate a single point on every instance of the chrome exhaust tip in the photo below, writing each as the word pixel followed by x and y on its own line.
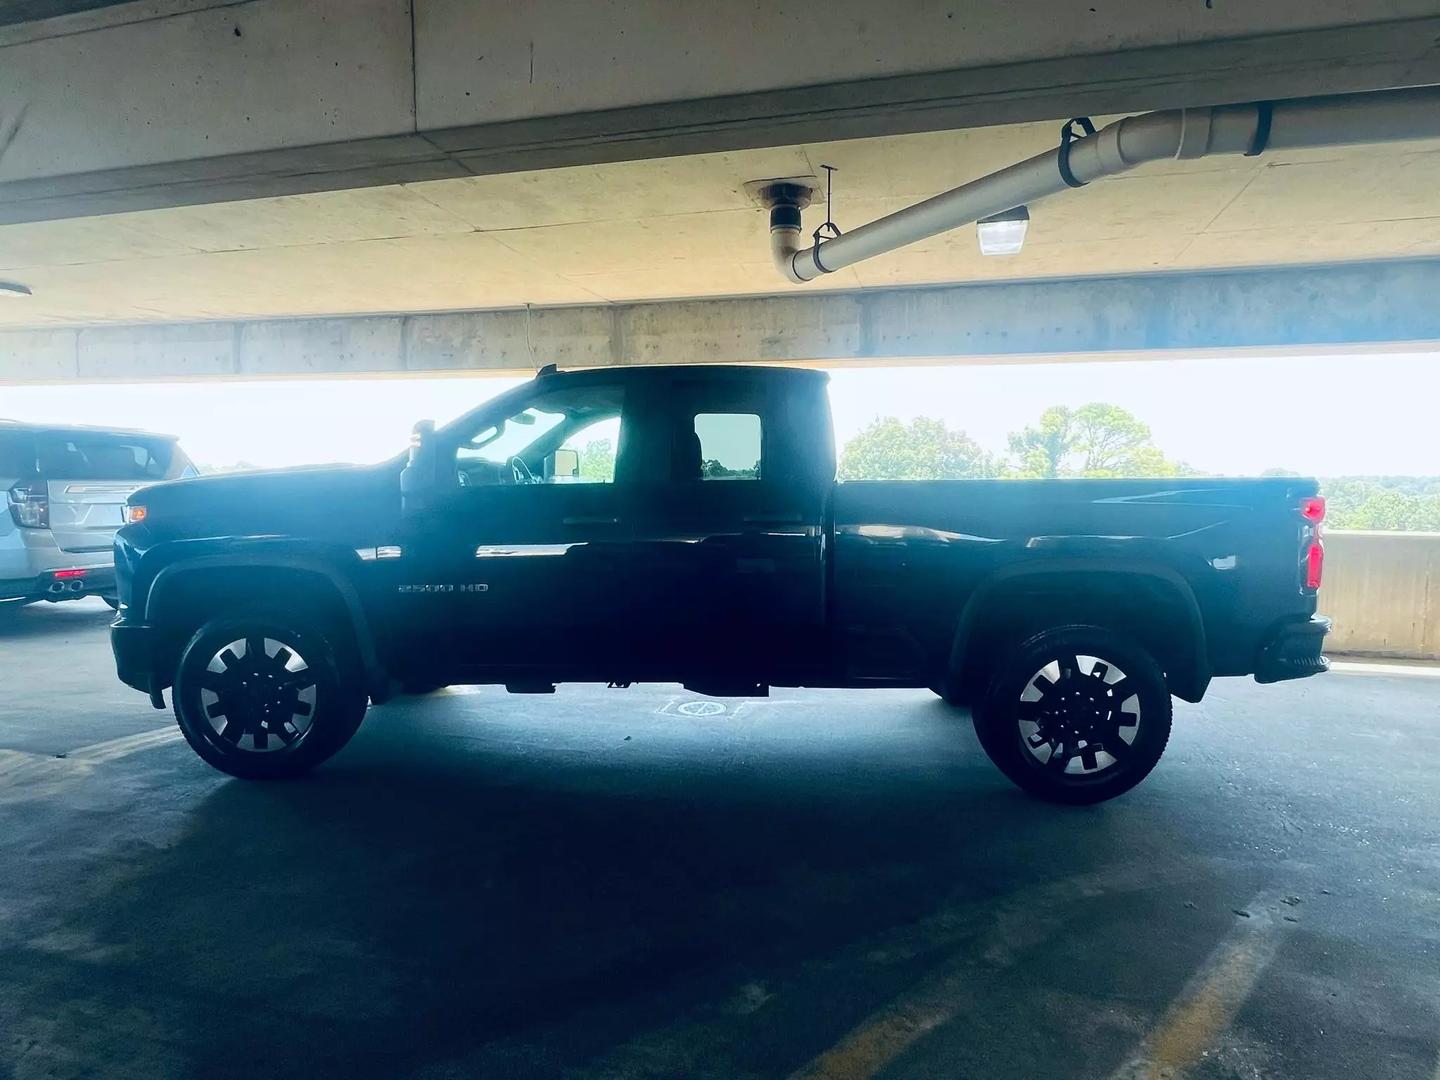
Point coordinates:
pixel 76 586
pixel 56 588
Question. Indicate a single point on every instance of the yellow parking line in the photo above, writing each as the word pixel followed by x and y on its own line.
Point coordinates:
pixel 1203 1010
pixel 1019 921
pixel 1209 1001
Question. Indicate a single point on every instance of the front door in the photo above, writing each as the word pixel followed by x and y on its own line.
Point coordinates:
pixel 525 565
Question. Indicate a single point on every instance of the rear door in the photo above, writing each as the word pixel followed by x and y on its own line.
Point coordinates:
pixel 89 475
pixel 729 546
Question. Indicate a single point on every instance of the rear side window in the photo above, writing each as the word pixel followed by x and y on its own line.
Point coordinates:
pixel 111 457
pixel 17 455
pixel 730 445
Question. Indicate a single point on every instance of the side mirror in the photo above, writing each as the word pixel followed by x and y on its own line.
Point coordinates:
pixel 563 464
pixel 420 479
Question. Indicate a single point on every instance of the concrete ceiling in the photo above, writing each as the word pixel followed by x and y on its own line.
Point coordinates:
pixel 22 11
pixel 682 227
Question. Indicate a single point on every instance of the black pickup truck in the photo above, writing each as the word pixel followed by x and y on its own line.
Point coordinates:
pixel 684 524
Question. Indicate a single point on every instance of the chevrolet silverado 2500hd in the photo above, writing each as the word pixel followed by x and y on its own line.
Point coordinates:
pixel 684 524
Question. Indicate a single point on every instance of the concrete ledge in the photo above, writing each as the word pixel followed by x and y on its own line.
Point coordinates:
pixel 1383 591
pixel 1360 304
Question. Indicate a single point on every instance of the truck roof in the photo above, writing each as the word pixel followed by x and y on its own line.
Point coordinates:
pixel 33 428
pixel 694 371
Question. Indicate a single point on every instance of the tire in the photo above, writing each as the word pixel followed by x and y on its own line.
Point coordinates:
pixel 1056 694
pixel 307 695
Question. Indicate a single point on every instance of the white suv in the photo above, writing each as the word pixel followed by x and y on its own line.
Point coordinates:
pixel 64 493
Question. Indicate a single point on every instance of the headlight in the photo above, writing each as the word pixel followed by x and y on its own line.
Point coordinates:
pixel 135 514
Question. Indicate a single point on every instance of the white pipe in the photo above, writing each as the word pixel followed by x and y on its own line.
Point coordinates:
pixel 1381 116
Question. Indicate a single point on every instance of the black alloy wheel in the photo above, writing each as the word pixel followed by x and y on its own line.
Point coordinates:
pixel 1077 714
pixel 264 697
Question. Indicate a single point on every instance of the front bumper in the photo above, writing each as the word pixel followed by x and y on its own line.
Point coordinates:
pixel 1294 652
pixel 135 653
pixel 97 581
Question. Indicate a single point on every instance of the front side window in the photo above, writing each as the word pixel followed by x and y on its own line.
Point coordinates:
pixel 567 436
pixel 729 444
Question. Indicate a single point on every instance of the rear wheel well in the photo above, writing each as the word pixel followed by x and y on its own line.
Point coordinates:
pixel 194 597
pixel 1151 610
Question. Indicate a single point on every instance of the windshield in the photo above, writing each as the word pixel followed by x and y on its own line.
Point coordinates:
pixel 501 443
pixel 104 456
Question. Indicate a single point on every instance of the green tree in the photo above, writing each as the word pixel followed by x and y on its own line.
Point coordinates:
pixel 1094 440
pixel 1042 450
pixel 597 461
pixel 924 449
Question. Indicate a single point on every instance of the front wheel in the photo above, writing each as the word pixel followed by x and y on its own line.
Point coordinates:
pixel 266 696
pixel 1078 714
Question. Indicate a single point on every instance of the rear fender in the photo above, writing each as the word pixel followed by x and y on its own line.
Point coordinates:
pixel 1188 668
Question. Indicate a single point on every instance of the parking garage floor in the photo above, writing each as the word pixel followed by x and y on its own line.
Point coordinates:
pixel 643 883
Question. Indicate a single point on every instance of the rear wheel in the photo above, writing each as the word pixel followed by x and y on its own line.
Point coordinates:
pixel 266 696
pixel 1079 714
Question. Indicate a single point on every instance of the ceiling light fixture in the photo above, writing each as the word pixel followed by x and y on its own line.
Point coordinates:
pixel 1003 234
pixel 13 289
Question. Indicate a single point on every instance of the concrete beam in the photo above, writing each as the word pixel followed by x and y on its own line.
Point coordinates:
pixel 1351 306
pixel 215 102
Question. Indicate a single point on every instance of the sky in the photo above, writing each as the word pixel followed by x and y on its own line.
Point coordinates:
pixel 1326 416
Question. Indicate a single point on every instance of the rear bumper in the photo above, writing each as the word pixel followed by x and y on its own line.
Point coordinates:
pixel 96 581
pixel 134 649
pixel 1294 652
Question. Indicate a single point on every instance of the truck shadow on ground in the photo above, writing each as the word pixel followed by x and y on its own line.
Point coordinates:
pixel 417 904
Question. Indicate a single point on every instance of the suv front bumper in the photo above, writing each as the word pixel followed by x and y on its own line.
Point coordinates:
pixel 1294 652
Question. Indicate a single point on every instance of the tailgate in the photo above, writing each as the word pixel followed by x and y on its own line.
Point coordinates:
pixel 84 514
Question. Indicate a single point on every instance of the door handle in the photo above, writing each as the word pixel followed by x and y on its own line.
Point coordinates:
pixel 772 519
pixel 591 519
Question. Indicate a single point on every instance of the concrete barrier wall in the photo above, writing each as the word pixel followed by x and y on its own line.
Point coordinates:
pixel 1383 591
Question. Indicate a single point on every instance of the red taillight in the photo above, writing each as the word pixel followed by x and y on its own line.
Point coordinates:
pixel 1314 564
pixel 61 575
pixel 1312 509
pixel 29 506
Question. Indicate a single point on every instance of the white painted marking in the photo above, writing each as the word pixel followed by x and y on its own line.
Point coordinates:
pixel 1353 667
pixel 700 708
pixel 114 749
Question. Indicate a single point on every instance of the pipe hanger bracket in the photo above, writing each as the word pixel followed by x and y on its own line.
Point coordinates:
pixel 1062 157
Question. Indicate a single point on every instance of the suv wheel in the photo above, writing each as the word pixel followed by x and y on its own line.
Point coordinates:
pixel 1078 714
pixel 266 696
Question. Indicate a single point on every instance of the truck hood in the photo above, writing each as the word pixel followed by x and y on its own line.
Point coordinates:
pixel 313 500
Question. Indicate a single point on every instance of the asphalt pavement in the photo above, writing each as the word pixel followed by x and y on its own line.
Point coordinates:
pixel 649 883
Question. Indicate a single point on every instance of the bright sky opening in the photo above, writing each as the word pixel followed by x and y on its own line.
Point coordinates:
pixel 1326 416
